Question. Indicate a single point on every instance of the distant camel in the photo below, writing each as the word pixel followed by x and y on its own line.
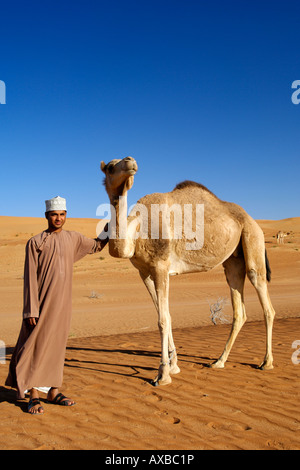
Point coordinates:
pixel 231 237
pixel 280 236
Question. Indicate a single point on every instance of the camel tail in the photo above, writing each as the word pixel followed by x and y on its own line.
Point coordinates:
pixel 268 267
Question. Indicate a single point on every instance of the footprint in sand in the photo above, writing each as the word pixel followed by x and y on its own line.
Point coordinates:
pixel 128 345
pixel 152 396
pixel 164 415
pixel 277 445
pixel 226 427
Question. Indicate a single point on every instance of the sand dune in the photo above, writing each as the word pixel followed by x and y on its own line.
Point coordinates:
pixel 113 353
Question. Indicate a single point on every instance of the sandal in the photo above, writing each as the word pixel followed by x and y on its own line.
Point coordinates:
pixel 33 402
pixel 61 400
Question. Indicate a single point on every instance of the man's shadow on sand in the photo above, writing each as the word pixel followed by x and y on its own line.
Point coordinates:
pixel 9 395
pixel 129 370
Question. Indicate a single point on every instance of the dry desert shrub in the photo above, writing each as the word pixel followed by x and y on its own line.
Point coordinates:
pixel 217 313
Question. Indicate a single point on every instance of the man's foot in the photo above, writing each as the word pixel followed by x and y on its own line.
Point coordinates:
pixel 58 398
pixel 34 407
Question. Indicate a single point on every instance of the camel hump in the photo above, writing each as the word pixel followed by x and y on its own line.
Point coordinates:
pixel 192 184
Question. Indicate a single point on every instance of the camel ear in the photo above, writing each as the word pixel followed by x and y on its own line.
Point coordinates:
pixel 102 166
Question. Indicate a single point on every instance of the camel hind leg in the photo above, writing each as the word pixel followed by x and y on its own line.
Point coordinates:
pixel 235 273
pixel 269 314
pixel 260 283
pixel 258 272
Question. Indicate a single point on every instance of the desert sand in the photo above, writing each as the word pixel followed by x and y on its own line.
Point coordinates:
pixel 114 347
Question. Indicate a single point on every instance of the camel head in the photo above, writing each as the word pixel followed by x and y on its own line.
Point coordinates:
pixel 119 175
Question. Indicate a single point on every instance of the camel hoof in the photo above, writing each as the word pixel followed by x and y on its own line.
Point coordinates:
pixel 216 365
pixel 160 381
pixel 265 367
pixel 174 370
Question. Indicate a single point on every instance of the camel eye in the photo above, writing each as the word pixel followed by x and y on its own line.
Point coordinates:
pixel 110 168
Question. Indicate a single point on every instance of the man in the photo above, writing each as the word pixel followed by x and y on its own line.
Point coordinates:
pixel 38 359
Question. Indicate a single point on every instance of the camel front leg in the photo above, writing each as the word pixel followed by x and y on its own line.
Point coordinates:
pixel 174 369
pixel 161 282
pixel 172 355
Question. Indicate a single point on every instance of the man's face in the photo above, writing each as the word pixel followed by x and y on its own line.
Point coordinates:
pixel 56 219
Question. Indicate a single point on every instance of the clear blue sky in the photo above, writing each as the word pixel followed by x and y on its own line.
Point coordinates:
pixel 191 89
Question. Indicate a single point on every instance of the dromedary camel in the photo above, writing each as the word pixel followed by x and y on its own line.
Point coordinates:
pixel 231 237
pixel 280 236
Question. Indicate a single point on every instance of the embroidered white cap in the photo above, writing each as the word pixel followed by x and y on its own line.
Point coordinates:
pixel 56 204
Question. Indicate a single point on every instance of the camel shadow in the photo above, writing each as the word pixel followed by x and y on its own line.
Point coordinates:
pixel 136 371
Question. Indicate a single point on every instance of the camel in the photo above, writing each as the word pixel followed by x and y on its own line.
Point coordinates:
pixel 230 237
pixel 280 236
